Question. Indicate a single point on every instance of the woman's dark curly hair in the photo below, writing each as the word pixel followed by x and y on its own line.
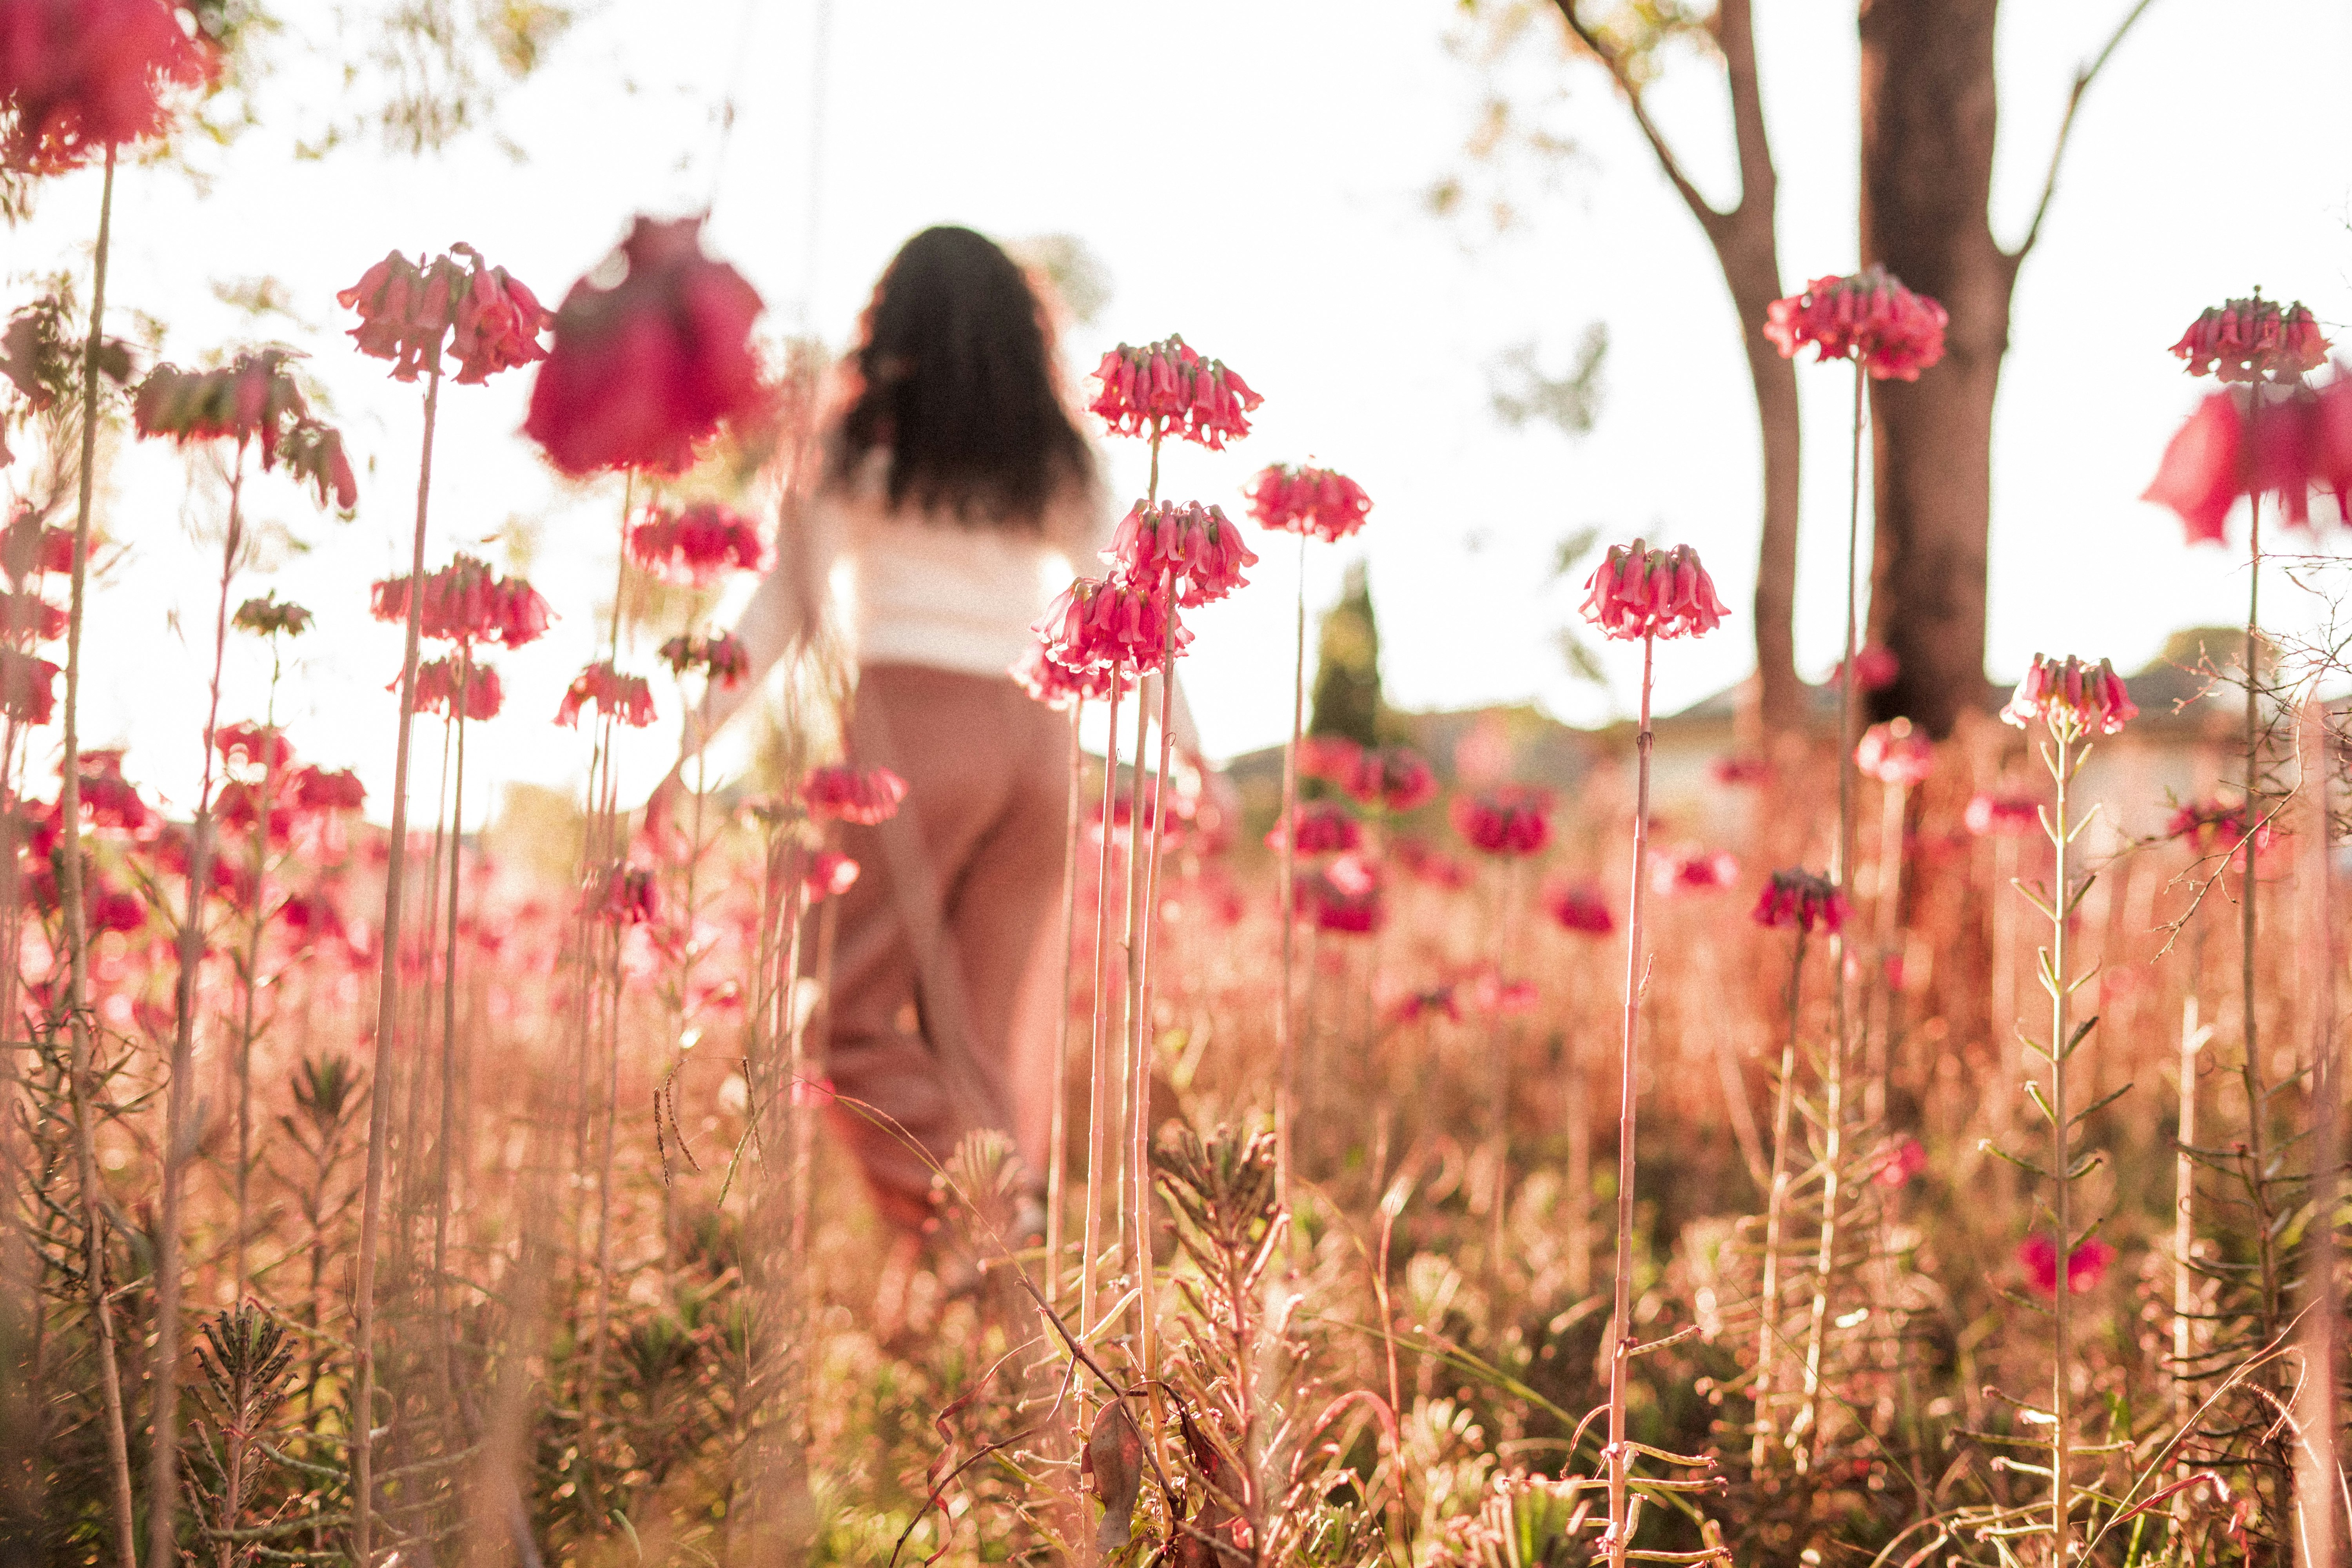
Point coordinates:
pixel 954 374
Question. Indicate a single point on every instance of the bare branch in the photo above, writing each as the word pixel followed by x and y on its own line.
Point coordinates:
pixel 1709 217
pixel 2083 79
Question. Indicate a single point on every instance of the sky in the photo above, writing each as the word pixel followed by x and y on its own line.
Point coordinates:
pixel 1252 176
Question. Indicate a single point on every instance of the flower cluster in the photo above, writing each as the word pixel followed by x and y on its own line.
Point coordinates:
pixel 1394 778
pixel 865 797
pixel 1317 827
pixel 28 686
pixel 2252 340
pixel 2260 440
pixel 1193 546
pixel 1875 669
pixel 1096 624
pixel 1165 388
pixel 1693 870
pixel 2086 1265
pixel 79 76
pixel 1637 593
pixel 2215 827
pixel 28 547
pixel 643 371
pixel 28 616
pixel 691 546
pixel 2073 699
pixel 1869 315
pixel 1056 685
pixel 250 399
pixel 467 602
pixel 1344 895
pixel 1506 819
pixel 2003 814
pixel 830 874
pixel 1899 1163
pixel 624 698
pixel 1322 502
pixel 1580 907
pixel 1803 900
pixel 720 658
pixel 267 616
pixel 327 789
pixel 438 681
pixel 409 310
pixel 252 745
pixel 624 895
pixel 1894 754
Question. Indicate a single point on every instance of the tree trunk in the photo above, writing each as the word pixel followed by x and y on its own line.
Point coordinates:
pixel 1927 118
pixel 1755 280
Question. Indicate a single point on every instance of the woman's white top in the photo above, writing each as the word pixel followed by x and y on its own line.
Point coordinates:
pixel 908 587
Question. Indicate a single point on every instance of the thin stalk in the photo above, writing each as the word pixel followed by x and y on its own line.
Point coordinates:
pixel 70 899
pixel 1622 1315
pixel 1776 1201
pixel 2193 1037
pixel 2059 983
pixel 1140 1154
pixel 253 968
pixel 1057 1158
pixel 1894 798
pixel 1285 1049
pixel 1099 1057
pixel 1133 1178
pixel 386 1020
pixel 2318 1477
pixel 441 1170
pixel 163 1362
pixel 2009 1050
pixel 2257 1105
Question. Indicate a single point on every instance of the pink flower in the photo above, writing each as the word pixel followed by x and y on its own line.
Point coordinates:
pixel 624 698
pixel 624 895
pixel 692 547
pixel 1869 315
pixel 437 688
pixel 720 657
pixel 1322 502
pixel 320 789
pixel 1801 899
pixel 106 797
pixel 27 616
pixel 1394 778
pixel 2008 815
pixel 1167 388
pixel 2084 1266
pixel 1056 685
pixel 1332 759
pixel 1345 896
pixel 1580 907
pixel 408 310
pixel 2248 340
pixel 28 687
pixel 2215 827
pixel 1893 754
pixel 79 76
pixel 257 747
pixel 1093 622
pixel 1506 819
pixel 1322 827
pixel 848 795
pixel 2073 698
pixel 1195 545
pixel 1900 1163
pixel 2260 441
pixel 830 874
pixel 643 370
pixel 1437 1002
pixel 1638 592
pixel 1432 867
pixel 467 602
pixel 27 546
pixel 1875 669
pixel 1692 871
pixel 1739 772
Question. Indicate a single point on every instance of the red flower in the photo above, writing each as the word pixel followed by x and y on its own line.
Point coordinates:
pixel 1799 898
pixel 720 658
pixel 498 322
pixel 467 601
pixel 1333 759
pixel 409 310
pixel 2072 698
pixel 1740 773
pixel 625 698
pixel 2264 440
pixel 1900 1163
pixel 108 798
pixel 1323 827
pixel 2248 340
pixel 1508 819
pixel 2084 1266
pixel 437 681
pixel 28 687
pixel 238 808
pixel 113 908
pixel 1345 896
pixel 28 616
pixel 624 895
pixel 1870 315
pixel 1436 1003
pixel 1875 669
pixel 1167 388
pixel 842 792
pixel 28 545
pixel 692 547
pixel 260 747
pixel 830 874
pixel 312 917
pixel 1056 685
pixel 1196 545
pixel 2005 813
pixel 1894 755
pixel 1318 501
pixel 321 789
pixel 79 76
pixel 1434 867
pixel 1580 907
pixel 1393 777
pixel 1692 871
pixel 1638 592
pixel 2215 827
pixel 1093 622
pixel 645 369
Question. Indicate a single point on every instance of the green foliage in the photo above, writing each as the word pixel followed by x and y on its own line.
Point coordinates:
pixel 1346 696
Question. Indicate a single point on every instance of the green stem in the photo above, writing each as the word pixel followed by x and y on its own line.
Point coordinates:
pixel 1621 1322
pixel 2061 769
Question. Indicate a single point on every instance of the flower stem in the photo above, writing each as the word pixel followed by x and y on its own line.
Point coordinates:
pixel 2250 893
pixel 1057 1158
pixel 1285 1047
pixel 1099 1088
pixel 386 1015
pixel 1140 1155
pixel 69 898
pixel 2317 1468
pixel 253 971
pixel 2055 979
pixel 449 996
pixel 1621 1322
pixel 1768 1331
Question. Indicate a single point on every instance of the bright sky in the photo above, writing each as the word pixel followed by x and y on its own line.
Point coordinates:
pixel 1252 174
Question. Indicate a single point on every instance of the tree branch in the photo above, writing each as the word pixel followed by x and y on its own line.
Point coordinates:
pixel 2082 78
pixel 1708 217
pixel 1735 35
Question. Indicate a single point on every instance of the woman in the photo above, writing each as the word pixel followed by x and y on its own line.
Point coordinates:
pixel 957 496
